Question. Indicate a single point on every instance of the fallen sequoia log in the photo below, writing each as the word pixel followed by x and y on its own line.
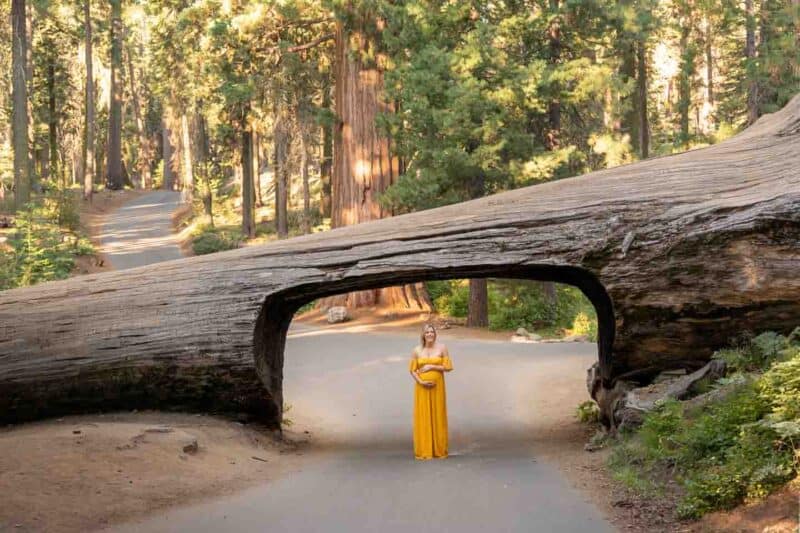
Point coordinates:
pixel 678 254
pixel 632 407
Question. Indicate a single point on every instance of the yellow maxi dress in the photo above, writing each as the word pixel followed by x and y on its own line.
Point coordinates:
pixel 430 409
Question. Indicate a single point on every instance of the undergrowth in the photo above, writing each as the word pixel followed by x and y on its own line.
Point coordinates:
pixel 739 447
pixel 44 243
pixel 521 304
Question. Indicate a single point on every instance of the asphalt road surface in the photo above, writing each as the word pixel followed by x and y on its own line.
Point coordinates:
pixel 140 232
pixel 353 392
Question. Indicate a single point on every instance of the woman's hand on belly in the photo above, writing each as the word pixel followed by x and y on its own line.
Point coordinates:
pixel 430 375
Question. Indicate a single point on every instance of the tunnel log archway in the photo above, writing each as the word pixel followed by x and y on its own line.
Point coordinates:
pixel 278 310
pixel 691 249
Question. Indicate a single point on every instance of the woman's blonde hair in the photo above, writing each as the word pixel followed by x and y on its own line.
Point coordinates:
pixel 422 335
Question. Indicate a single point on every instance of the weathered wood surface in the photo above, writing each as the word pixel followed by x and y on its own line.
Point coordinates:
pixel 691 249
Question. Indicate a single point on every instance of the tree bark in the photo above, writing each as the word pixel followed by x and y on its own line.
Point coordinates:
pixel 187 190
pixel 144 153
pixel 19 102
pixel 248 222
pixel 52 122
pixel 326 161
pixel 281 171
pixel 641 87
pixel 167 154
pixel 552 140
pixel 30 27
pixel 115 179
pixel 89 126
pixel 750 56
pixel 478 316
pixel 685 80
pixel 674 252
pixel 363 164
pixel 302 126
pixel 257 169
pixel 709 40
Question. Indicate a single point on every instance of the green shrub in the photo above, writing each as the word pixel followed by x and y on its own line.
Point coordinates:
pixel 583 324
pixel 740 447
pixel 210 241
pixel 754 353
pixel 519 303
pixel 453 302
pixel 588 412
pixel 40 249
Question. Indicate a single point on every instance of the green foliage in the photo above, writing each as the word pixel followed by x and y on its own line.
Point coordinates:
pixel 520 303
pixel 754 353
pixel 450 298
pixel 739 448
pixel 588 412
pixel 210 240
pixel 40 250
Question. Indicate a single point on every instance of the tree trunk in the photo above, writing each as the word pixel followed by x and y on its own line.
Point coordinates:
pixel 363 165
pixel 674 252
pixel 248 223
pixel 552 140
pixel 257 169
pixel 301 121
pixel 52 122
pixel 750 55
pixel 641 86
pixel 89 126
pixel 19 114
pixel 709 63
pixel 30 26
pixel 685 80
pixel 326 161
pixel 188 168
pixel 281 171
pixel 204 169
pixel 167 154
pixel 115 179
pixel 144 152
pixel 478 316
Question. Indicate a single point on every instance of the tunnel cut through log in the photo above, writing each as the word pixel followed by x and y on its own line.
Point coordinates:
pixel 278 310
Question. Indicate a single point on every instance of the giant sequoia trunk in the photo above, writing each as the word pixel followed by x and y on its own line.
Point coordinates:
pixel 678 254
pixel 363 164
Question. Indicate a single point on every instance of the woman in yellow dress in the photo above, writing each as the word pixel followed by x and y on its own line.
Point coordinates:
pixel 429 362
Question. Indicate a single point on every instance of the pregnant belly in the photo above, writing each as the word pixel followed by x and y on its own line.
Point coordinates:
pixel 431 375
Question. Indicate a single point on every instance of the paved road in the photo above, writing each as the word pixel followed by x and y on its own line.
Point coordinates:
pixel 352 390
pixel 140 232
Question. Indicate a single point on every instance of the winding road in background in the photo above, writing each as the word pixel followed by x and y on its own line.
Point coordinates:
pixel 140 232
pixel 350 389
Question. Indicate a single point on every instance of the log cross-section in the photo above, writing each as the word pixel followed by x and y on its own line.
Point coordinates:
pixel 678 254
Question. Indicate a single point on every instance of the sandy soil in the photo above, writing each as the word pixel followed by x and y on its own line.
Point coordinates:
pixel 87 472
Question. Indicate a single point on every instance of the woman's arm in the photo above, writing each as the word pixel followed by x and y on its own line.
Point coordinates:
pixel 414 370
